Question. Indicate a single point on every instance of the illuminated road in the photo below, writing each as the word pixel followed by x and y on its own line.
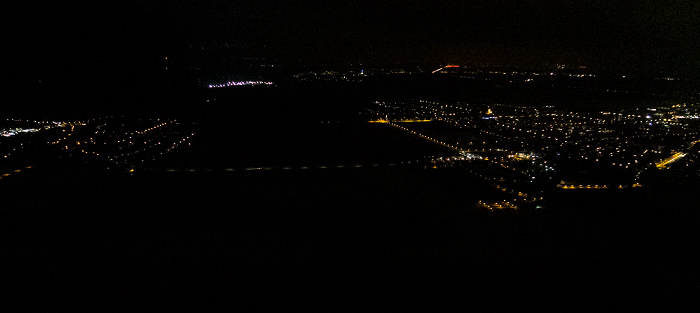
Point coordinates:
pixel 663 163
pixel 14 172
pixel 271 168
pixel 572 187
pixel 444 67
pixel 519 196
pixel 447 145
pixel 399 121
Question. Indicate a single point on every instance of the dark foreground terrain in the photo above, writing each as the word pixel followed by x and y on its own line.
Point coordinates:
pixel 384 238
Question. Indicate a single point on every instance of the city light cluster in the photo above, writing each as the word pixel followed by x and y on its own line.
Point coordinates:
pixel 524 150
pixel 240 83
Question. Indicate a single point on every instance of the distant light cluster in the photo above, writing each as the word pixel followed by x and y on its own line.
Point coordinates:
pixel 15 131
pixel 240 83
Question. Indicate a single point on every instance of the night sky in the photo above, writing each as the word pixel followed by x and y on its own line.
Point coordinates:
pixel 658 36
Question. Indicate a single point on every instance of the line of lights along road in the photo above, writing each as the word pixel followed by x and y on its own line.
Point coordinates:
pixel 240 83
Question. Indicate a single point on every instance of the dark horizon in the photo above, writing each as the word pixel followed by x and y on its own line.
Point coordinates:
pixel 630 36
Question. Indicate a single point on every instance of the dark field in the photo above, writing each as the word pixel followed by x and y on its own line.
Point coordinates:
pixel 333 239
pixel 299 144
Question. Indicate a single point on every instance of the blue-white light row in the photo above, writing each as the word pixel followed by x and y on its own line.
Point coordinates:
pixel 240 83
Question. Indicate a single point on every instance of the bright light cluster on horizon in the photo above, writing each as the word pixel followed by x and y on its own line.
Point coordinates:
pixel 240 83
pixel 17 130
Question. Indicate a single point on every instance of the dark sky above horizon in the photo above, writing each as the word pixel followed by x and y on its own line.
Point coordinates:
pixel 648 35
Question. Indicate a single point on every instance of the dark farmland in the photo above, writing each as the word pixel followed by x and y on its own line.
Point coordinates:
pixel 341 239
pixel 213 238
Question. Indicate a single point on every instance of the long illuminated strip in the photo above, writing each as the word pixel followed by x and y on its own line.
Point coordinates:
pixel 240 83
pixel 670 160
pixel 446 66
pixel 400 121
